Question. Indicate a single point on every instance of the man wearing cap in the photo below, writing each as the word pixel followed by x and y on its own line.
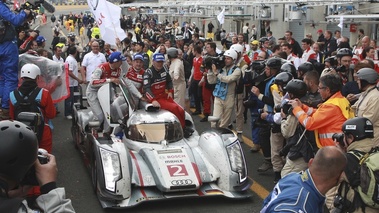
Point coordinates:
pixel 92 60
pixel 108 72
pixel 253 52
pixel 158 87
pixel 179 42
pixel 139 50
pixel 135 73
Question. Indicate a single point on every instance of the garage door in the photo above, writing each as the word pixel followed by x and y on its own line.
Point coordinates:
pixel 297 31
pixel 333 27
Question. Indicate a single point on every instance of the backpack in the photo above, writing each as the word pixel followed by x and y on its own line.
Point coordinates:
pixel 29 104
pixel 363 175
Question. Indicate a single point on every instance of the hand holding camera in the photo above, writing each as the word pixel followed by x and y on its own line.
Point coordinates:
pixel 46 168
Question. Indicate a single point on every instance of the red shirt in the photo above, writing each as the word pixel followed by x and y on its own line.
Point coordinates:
pixel 197 74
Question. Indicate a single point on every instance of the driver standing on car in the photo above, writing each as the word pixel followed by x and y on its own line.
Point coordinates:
pixel 158 88
pixel 108 72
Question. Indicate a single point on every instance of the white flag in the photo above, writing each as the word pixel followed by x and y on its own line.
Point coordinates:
pixel 221 16
pixel 107 16
pixel 340 25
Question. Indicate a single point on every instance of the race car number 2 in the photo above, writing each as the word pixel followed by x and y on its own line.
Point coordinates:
pixel 177 170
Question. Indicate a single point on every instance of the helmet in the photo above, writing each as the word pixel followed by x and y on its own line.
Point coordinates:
pixel 359 127
pixel 305 67
pixel 30 71
pixel 368 74
pixel 263 39
pixel 275 63
pixel 237 47
pixel 283 78
pixel 172 52
pixel 40 39
pixel 231 53
pixel 296 87
pixel 18 149
pixel 290 68
pixel 331 60
pixel 344 52
pixel 62 40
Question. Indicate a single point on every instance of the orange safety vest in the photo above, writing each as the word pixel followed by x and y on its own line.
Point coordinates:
pixel 327 119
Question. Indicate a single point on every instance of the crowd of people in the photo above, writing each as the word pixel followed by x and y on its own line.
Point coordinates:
pixel 298 95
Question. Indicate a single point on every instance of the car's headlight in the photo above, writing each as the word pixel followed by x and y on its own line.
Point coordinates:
pixel 237 160
pixel 112 168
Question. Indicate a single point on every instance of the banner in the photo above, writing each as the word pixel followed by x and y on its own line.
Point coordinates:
pixel 54 75
pixel 221 16
pixel 107 16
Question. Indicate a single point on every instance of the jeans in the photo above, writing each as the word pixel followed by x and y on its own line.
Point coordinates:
pixel 69 102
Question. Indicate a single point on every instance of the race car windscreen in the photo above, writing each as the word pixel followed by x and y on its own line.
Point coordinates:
pixel 155 132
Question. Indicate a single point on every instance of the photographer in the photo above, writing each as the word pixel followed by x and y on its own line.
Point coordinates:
pixel 270 97
pixel 255 77
pixel 301 144
pixel 13 172
pixel 329 117
pixel 8 54
pixel 358 134
pixel 224 92
pixel 344 57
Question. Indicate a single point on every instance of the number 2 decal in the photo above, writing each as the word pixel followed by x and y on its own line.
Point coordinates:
pixel 177 170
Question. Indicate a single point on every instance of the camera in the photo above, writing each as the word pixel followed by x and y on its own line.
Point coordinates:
pixel 30 177
pixel 216 60
pixel 341 204
pixel 339 137
pixel 285 106
pixel 258 66
pixel 341 69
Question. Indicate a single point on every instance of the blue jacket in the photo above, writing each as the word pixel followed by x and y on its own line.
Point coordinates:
pixel 14 19
pixel 296 192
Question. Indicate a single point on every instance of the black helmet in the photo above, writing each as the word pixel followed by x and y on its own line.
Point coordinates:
pixel 331 60
pixel 283 78
pixel 263 39
pixel 18 149
pixel 290 68
pixel 62 39
pixel 359 127
pixel 368 74
pixel 344 52
pixel 306 67
pixel 275 63
pixel 172 52
pixel 296 87
pixel 258 65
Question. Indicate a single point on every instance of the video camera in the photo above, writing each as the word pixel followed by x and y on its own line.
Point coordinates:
pixel 35 5
pixel 216 60
pixel 33 120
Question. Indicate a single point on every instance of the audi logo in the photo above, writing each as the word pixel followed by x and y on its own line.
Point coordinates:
pixel 181 182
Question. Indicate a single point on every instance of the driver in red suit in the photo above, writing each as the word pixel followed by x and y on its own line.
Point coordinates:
pixel 158 88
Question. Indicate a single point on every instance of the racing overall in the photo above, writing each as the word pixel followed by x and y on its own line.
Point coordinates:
pixel 8 52
pixel 156 84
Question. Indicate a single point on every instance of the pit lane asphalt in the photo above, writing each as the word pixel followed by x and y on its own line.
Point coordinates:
pixel 76 180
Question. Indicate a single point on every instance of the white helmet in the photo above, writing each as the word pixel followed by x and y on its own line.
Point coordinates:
pixel 231 53
pixel 237 47
pixel 30 71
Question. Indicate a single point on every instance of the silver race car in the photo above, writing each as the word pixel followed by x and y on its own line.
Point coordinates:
pixel 146 157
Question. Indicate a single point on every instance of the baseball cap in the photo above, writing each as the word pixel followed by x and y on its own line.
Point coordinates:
pixel 115 57
pixel 137 57
pixel 140 43
pixel 255 42
pixel 40 39
pixel 319 31
pixel 158 57
pixel 61 45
